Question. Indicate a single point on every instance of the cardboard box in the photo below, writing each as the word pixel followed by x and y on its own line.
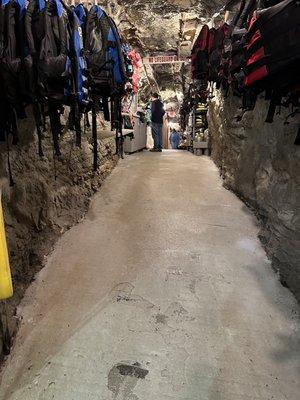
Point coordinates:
pixel 200 145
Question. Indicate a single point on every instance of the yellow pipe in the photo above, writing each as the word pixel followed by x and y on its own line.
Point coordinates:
pixel 6 288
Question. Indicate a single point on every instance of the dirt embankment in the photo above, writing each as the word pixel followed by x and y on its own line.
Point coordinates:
pixel 49 196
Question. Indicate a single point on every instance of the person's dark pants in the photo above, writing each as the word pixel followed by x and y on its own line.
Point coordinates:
pixel 174 145
pixel 157 135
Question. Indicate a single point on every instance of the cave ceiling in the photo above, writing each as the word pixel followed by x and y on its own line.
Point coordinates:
pixel 156 27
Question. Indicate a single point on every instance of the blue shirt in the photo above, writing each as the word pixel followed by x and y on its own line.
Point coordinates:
pixel 175 138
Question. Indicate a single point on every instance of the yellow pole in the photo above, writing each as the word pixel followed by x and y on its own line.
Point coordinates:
pixel 6 288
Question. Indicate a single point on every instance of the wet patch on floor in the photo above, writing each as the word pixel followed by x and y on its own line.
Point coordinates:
pixel 123 378
pixel 134 370
pixel 161 319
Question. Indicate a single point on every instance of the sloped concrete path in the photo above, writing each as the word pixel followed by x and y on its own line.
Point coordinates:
pixel 163 292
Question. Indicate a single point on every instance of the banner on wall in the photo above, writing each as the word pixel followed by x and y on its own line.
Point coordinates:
pixel 166 59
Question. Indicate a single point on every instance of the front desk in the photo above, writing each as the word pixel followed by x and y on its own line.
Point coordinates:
pixel 139 140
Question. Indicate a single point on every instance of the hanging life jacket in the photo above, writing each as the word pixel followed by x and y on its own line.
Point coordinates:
pixel 216 47
pixel 54 64
pixel 48 38
pixel 78 16
pixel 200 55
pixel 79 96
pixel 12 52
pixel 104 54
pixel 128 62
pixel 273 51
pixel 54 38
pixel 238 40
pixel 106 68
pixel 137 64
pixel 78 61
pixel 12 80
pixel 81 13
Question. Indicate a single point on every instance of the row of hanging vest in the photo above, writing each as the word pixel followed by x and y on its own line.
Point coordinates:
pixel 257 49
pixel 53 56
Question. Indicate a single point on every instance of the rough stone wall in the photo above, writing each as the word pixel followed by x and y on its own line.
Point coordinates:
pixel 40 208
pixel 260 162
pixel 153 25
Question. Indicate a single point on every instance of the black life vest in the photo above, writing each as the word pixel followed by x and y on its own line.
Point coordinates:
pixel 106 66
pixel 12 52
pixel 273 50
pixel 200 55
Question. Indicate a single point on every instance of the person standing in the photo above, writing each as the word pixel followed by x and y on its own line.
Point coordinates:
pixel 157 119
pixel 175 138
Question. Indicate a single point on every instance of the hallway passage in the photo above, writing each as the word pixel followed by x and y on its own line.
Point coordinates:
pixel 163 292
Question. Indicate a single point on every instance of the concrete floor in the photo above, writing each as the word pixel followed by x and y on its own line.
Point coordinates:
pixel 163 292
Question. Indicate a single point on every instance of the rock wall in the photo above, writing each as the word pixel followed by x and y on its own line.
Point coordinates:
pixel 260 163
pixel 47 199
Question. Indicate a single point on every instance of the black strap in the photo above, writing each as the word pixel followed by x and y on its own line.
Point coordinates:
pixel 274 102
pixel 105 106
pixel 55 126
pixel 116 121
pixel 112 113
pixel 14 126
pixel 86 119
pixel 231 3
pixel 249 99
pixel 4 330
pixel 238 14
pixel 297 140
pixel 71 119
pixel 11 180
pixel 248 7
pixel 43 112
pixel 94 133
pixel 77 124
pixel 120 127
pixel 32 8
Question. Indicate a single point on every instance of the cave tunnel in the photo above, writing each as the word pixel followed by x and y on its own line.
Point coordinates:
pixel 150 192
